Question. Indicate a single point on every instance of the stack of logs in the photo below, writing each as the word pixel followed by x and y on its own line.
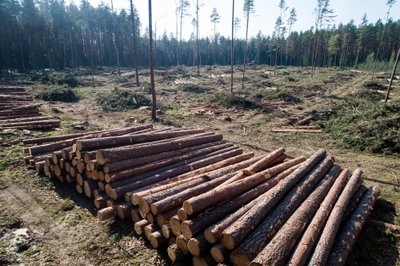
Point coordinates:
pixel 191 192
pixel 18 111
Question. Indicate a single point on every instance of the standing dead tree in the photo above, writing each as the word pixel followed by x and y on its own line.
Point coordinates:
pixel 248 8
pixel 232 43
pixel 135 54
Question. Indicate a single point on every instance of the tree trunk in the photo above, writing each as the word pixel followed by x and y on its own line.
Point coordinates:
pixel 219 253
pixel 346 239
pixel 151 64
pixel 198 245
pixel 323 247
pixel 135 54
pixel 307 242
pixel 240 229
pixel 175 253
pixel 139 226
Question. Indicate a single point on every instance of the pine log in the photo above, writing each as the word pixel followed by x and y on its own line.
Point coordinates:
pixel 100 201
pixel 210 171
pixel 324 245
pixel 295 129
pixel 157 239
pixel 346 238
pixel 229 191
pixel 96 143
pixel 205 219
pixel 35 114
pixel 33 125
pixel 175 253
pixel 26 119
pixel 263 163
pixel 262 234
pixel 175 225
pixel 178 191
pixel 133 151
pixel 175 172
pixel 139 226
pixel 386 226
pixel 219 253
pixel 107 213
pixel 183 216
pixel 354 201
pixel 39 167
pixel 277 251
pixel 126 173
pixel 307 242
pixel 79 188
pixel 124 210
pixel 198 245
pixel 130 163
pixel 214 232
pixel 150 217
pixel 135 215
pixel 181 241
pixel 166 231
pixel 240 229
pixel 163 218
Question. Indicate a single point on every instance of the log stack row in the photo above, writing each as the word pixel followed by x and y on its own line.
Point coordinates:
pixel 192 193
pixel 18 111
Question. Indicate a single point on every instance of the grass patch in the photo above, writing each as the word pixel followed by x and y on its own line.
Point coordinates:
pixel 194 88
pixel 232 101
pixel 120 100
pixel 60 94
pixel 372 85
pixel 279 95
pixel 67 79
pixel 365 124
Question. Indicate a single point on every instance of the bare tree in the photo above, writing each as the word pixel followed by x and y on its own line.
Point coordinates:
pixel 291 20
pixel 114 39
pixel 323 15
pixel 215 20
pixel 248 8
pixel 182 9
pixel 390 4
pixel 135 54
pixel 280 27
pixel 232 42
pixel 197 38
pixel 151 64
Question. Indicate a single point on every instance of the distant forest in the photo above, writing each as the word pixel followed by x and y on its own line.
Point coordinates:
pixel 36 35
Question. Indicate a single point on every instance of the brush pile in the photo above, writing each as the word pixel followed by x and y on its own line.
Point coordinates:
pixel 191 192
pixel 17 111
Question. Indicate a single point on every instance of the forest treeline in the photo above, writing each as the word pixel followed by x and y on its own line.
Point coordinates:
pixel 51 34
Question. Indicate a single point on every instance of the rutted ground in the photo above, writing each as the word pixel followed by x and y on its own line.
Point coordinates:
pixel 61 227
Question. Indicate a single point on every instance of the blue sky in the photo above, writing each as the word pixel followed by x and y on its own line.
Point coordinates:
pixel 262 20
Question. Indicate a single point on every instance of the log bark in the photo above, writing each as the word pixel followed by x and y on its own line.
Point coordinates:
pixel 262 234
pixel 166 231
pixel 354 201
pixel 240 229
pixel 134 151
pixel 229 191
pixel 306 244
pixel 124 210
pixel 107 213
pixel 163 218
pixel 135 215
pixel 182 214
pixel 203 260
pixel 130 163
pixel 45 124
pixel 279 248
pixel 157 239
pixel 175 172
pixel 28 119
pixel 200 222
pixel 324 245
pixel 126 173
pixel 100 201
pixel 96 143
pixel 392 227
pixel 198 245
pixel 210 171
pixel 346 239
pixel 175 225
pixel 214 232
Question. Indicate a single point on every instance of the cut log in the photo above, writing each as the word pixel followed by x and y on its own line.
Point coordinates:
pixel 260 237
pixel 157 239
pixel 107 213
pixel 386 226
pixel 354 201
pixel 219 253
pixel 181 241
pixel 236 232
pixel 324 245
pixel 175 225
pixel 203 260
pixel 124 210
pixel 214 232
pixel 346 239
pixel 307 242
pixel 163 218
pixel 26 119
pixel 229 191
pixel 279 248
pixel 203 220
pixel 134 151
pixel 96 143
pixel 126 173
pixel 100 202
pixel 175 253
pixel 198 245
pixel 45 124
pixel 166 231
pixel 182 214
pixel 139 226
pixel 135 215
pixel 130 163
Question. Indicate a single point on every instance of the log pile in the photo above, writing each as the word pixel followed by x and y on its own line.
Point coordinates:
pixel 195 195
pixel 17 111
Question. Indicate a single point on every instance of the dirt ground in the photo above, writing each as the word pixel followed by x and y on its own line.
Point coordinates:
pixel 45 222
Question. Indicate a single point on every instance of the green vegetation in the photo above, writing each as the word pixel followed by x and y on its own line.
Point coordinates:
pixel 119 100
pixel 67 79
pixel 194 88
pixel 233 101
pixel 57 93
pixel 364 123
